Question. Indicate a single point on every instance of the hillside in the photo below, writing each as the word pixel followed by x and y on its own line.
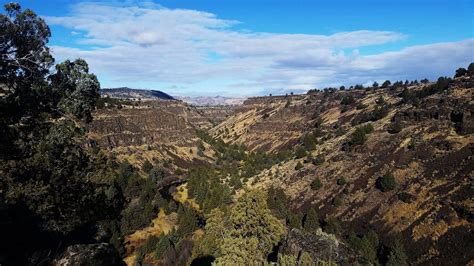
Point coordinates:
pixel 212 101
pixel 421 135
pixel 134 94
pixel 425 140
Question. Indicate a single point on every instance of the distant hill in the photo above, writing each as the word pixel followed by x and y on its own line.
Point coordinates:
pixel 135 94
pixel 212 100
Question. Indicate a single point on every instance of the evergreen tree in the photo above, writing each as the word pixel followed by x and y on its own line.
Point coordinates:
pixel 311 223
pixel 147 166
pixel 397 255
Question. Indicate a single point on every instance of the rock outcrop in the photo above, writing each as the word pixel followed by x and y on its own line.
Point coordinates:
pixel 101 254
pixel 320 246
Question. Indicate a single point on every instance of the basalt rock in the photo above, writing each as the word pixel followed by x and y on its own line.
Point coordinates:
pixel 101 254
pixel 320 246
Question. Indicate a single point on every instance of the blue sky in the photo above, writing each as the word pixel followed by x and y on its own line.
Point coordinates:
pixel 243 48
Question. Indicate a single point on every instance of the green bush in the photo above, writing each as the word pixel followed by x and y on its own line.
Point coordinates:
pixel 298 166
pixel 277 202
pixel 386 182
pixel 147 166
pixel 294 220
pixel 341 181
pixel 319 159
pixel 360 134
pixel 316 184
pixel 300 152
pixel 348 99
pixel 395 127
pixel 337 201
pixel 332 225
pixel 366 245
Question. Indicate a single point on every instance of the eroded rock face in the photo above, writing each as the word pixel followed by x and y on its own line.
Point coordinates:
pixel 320 246
pixel 102 254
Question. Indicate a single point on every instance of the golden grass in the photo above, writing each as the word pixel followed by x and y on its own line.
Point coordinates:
pixel 162 224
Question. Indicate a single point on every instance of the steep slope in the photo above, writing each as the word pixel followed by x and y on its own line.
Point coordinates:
pixel 422 136
pixel 154 130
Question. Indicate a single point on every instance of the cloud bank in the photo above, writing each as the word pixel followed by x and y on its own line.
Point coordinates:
pixel 189 52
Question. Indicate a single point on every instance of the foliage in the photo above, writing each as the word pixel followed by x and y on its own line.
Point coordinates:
pixel 212 240
pixel 298 166
pixel 397 255
pixel 300 152
pixel 294 220
pixel 341 181
pixel 316 184
pixel 147 166
pixel 386 84
pixel 319 159
pixel 251 233
pixel 187 221
pixel 386 182
pixel 395 127
pixel 206 188
pixel 156 173
pixel 51 186
pixel 311 222
pixel 460 72
pixel 309 142
pixel 337 201
pixel 76 89
pixel 348 99
pixel 277 202
pixel 366 245
pixel 332 225
pixel 360 134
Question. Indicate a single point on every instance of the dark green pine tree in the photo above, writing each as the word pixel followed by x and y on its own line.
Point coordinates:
pixel 311 223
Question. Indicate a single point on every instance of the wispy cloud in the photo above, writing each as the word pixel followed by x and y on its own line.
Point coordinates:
pixel 177 49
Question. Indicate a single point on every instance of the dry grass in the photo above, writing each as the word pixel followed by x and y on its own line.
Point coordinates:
pixel 162 224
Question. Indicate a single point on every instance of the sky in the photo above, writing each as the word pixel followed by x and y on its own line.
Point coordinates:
pixel 255 47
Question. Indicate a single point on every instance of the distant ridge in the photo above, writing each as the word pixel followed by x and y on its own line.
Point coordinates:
pixel 134 94
pixel 212 100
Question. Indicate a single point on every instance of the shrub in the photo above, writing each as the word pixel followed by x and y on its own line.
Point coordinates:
pixel 298 166
pixel 360 134
pixel 319 159
pixel 156 173
pixel 277 201
pixel 309 142
pixel 361 106
pixel 460 72
pixel 341 181
pixel 332 225
pixel 395 127
pixel 367 246
pixel 300 152
pixel 316 184
pixel 337 201
pixel 397 255
pixel 347 99
pixel 236 182
pixel 386 84
pixel 386 182
pixel 294 220
pixel 147 166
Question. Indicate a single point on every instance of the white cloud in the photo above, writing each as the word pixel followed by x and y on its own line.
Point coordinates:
pixel 193 52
